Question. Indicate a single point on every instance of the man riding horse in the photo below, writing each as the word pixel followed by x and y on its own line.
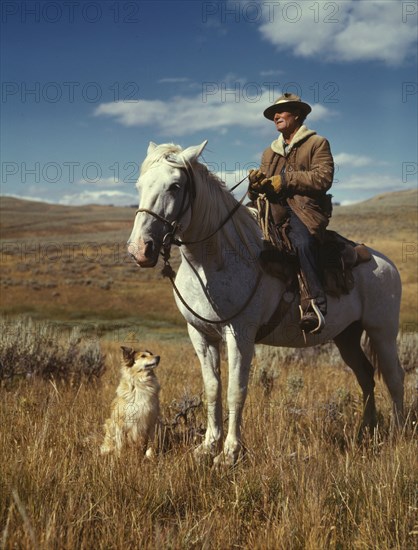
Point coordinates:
pixel 295 174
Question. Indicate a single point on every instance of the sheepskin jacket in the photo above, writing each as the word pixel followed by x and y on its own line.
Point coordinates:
pixel 307 171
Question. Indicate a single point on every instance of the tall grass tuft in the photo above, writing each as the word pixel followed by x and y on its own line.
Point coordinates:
pixel 29 349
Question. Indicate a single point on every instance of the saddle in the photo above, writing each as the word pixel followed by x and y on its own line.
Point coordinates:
pixel 337 258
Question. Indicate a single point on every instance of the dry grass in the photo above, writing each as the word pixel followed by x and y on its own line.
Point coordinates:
pixel 304 483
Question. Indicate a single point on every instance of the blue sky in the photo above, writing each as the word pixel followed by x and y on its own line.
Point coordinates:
pixel 86 86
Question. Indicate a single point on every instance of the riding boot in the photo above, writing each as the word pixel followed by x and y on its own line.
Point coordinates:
pixel 313 298
pixel 311 320
pixel 312 310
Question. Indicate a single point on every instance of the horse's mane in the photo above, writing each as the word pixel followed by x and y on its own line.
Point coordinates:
pixel 215 202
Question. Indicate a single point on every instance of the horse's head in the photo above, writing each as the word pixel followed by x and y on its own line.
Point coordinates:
pixel 167 190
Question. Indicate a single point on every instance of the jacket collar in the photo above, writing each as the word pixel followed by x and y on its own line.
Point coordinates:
pixel 302 134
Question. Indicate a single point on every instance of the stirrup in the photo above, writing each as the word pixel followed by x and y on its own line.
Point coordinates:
pixel 319 317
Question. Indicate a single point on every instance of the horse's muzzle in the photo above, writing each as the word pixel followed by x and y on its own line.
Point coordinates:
pixel 144 253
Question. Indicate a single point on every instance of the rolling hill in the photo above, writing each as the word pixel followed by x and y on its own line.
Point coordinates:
pixel 70 264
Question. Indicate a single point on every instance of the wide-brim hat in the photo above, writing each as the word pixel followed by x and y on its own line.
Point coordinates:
pixel 287 102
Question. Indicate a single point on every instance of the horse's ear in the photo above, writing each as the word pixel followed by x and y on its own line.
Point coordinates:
pixel 193 153
pixel 151 147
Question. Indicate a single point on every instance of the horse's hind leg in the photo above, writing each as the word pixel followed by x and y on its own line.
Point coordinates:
pixel 348 343
pixel 384 349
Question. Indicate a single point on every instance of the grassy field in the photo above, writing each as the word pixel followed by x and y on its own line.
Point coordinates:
pixel 70 265
pixel 304 482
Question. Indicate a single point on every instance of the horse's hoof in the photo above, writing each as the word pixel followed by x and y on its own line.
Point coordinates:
pixel 203 455
pixel 224 461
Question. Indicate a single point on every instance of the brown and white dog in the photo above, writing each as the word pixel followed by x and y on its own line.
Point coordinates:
pixel 135 409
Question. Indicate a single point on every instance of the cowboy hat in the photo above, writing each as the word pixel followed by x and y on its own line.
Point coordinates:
pixel 287 102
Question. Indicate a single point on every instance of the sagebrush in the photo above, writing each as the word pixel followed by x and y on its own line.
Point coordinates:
pixel 38 349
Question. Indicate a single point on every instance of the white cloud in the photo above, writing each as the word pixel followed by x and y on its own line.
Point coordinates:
pixel 359 187
pixel 217 108
pixel 28 198
pixel 173 80
pixel 102 182
pixel 372 182
pixel 344 30
pixel 271 72
pixel 354 161
pixel 357 161
pixel 118 198
pixel 347 202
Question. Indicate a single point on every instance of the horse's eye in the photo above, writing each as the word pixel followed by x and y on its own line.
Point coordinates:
pixel 174 187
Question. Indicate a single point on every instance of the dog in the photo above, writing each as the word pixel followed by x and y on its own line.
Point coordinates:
pixel 135 409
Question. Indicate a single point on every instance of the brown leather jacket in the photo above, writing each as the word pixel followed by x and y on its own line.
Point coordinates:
pixel 307 171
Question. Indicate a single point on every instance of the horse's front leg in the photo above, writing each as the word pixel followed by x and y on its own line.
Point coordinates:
pixel 240 353
pixel 208 352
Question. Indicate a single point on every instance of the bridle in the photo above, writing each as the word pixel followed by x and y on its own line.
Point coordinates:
pixel 190 191
pixel 169 239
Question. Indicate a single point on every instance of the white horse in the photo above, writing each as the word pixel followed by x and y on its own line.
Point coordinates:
pixel 224 295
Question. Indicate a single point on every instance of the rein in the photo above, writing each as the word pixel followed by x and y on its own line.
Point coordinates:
pixel 228 217
pixel 168 272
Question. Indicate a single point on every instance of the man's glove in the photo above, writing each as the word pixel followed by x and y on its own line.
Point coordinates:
pixel 255 177
pixel 267 185
pixel 259 183
pixel 274 183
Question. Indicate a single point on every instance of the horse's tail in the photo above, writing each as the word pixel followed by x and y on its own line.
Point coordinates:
pixel 371 354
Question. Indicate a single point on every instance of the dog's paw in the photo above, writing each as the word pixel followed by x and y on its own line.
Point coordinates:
pixel 104 450
pixel 150 454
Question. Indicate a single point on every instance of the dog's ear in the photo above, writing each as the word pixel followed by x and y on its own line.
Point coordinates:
pixel 128 356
